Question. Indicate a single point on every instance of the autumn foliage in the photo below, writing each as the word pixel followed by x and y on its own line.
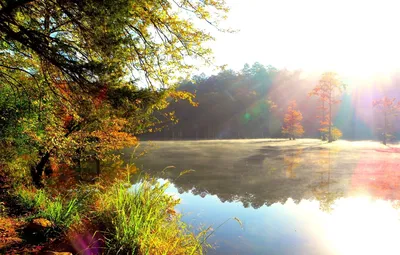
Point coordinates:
pixel 388 107
pixel 292 123
pixel 327 91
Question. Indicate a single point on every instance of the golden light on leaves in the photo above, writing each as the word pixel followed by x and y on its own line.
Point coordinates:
pixel 292 122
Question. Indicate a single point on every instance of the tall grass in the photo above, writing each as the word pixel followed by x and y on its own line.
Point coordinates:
pixel 62 213
pixel 30 198
pixel 141 220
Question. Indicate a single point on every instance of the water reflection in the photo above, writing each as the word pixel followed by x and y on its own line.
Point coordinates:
pixel 293 198
pixel 321 190
pixel 356 225
pixel 292 160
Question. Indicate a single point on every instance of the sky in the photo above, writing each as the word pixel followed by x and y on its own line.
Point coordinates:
pixel 358 39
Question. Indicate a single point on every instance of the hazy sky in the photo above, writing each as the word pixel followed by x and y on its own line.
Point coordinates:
pixel 354 38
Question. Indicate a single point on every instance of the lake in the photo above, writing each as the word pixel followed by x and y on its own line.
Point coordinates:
pixel 293 197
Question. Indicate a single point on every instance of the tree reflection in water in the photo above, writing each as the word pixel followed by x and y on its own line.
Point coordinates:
pixel 265 172
pixel 321 190
pixel 292 160
pixel 313 197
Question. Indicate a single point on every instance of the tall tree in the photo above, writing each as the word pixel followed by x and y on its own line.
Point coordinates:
pixel 89 74
pixel 292 122
pixel 327 91
pixel 388 108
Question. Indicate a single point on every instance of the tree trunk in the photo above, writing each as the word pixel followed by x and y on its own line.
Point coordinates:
pixel 37 171
pixel 323 137
pixel 98 166
pixel 385 130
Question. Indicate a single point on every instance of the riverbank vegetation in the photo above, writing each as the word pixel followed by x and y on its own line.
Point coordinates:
pixel 97 218
pixel 79 81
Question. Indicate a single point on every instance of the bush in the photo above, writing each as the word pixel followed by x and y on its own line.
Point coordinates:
pixel 336 133
pixel 141 219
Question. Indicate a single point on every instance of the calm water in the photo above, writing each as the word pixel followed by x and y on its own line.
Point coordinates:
pixel 293 197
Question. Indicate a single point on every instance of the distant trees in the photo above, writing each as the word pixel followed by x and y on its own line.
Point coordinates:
pixel 328 88
pixel 230 105
pixel 388 107
pixel 292 123
pixel 251 103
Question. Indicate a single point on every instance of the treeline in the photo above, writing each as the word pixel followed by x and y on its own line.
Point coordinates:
pixel 230 105
pixel 252 102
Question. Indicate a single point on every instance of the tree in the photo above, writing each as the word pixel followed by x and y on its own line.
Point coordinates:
pixel 328 88
pixel 292 123
pixel 92 43
pixel 388 108
pixel 89 74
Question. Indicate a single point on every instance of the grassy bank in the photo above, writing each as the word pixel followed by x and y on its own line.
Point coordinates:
pixel 118 218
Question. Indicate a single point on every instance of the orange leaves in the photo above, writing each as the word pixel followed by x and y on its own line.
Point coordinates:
pixel 111 136
pixel 387 105
pixel 101 96
pixel 292 121
pixel 67 119
pixel 62 87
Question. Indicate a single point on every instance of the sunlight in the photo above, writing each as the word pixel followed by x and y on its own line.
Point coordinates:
pixel 363 226
pixel 356 38
pixel 356 225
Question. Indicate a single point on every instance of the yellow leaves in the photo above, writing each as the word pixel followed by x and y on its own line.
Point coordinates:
pixel 327 86
pixel 183 95
pixel 336 133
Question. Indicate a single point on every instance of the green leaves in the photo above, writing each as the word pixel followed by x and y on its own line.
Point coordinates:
pixel 92 43
pixel 80 78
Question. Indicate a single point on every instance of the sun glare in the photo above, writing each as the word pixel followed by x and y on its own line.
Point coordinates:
pixel 364 226
pixel 356 225
pixel 355 38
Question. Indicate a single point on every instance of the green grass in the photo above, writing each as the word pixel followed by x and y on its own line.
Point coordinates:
pixel 142 220
pixel 62 213
pixel 138 219
pixel 30 198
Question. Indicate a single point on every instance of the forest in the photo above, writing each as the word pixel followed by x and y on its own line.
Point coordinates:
pixel 251 103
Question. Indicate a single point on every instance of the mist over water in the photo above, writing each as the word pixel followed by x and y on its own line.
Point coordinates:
pixel 293 197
